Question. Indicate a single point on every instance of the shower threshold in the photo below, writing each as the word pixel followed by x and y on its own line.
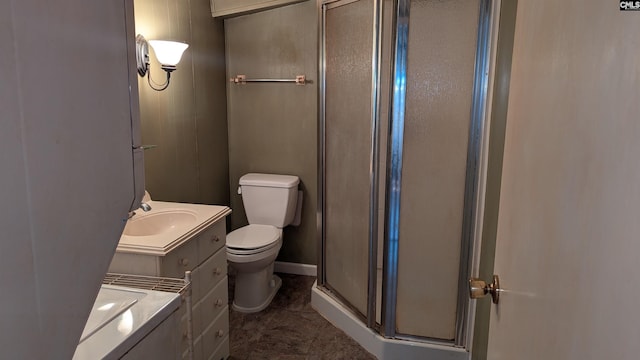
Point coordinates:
pixel 381 347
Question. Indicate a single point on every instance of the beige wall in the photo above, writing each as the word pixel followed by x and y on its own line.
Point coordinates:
pixel 273 127
pixel 188 120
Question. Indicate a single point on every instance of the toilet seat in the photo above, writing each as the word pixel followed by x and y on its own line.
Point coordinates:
pixel 253 239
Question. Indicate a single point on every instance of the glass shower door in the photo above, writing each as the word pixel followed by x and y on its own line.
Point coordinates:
pixel 430 116
pixel 348 47
pixel 437 123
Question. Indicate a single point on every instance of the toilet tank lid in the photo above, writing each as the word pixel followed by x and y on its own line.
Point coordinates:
pixel 270 180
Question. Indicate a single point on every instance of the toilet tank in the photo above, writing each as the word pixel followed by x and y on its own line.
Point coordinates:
pixel 269 199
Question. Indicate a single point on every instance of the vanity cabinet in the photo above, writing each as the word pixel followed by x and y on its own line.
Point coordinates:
pixel 157 344
pixel 239 7
pixel 201 251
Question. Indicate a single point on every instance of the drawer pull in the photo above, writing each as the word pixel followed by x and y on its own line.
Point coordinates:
pixel 219 303
pixel 217 271
pixel 215 238
pixel 183 262
pixel 220 333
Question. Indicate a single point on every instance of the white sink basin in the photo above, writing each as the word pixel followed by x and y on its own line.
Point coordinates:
pixel 159 222
pixel 166 226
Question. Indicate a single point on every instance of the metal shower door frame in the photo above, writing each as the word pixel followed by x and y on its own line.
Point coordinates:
pixel 370 317
pixel 475 174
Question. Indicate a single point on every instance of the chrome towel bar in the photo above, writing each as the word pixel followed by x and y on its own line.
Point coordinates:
pixel 242 79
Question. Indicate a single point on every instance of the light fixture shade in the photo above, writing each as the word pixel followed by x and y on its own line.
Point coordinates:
pixel 168 52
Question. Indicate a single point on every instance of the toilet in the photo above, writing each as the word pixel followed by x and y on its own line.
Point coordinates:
pixel 270 204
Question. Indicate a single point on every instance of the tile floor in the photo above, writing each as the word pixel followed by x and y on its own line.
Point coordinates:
pixel 289 329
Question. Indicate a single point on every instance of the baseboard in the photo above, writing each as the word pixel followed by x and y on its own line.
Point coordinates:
pixel 295 268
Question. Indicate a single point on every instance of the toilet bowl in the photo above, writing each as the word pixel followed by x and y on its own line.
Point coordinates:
pixel 256 285
pixel 270 203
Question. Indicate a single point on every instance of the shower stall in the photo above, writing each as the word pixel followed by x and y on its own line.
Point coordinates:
pixel 404 95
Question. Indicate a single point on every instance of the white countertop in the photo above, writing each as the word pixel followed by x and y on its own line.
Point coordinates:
pixel 120 318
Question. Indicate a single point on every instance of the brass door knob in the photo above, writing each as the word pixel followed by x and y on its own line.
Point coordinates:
pixel 479 288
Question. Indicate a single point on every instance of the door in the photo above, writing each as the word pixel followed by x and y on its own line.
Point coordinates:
pixel 436 135
pixel 439 145
pixel 568 243
pixel 67 183
pixel 347 40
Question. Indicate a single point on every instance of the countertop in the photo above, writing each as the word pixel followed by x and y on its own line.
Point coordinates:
pixel 161 244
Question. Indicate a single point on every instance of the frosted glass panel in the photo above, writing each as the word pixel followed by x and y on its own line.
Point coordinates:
pixel 349 42
pixel 442 44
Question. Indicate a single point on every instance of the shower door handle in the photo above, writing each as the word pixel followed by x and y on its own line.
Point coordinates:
pixel 479 288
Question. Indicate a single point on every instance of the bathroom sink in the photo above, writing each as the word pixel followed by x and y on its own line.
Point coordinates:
pixel 159 222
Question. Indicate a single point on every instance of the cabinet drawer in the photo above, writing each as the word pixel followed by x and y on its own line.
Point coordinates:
pixel 197 328
pixel 197 351
pixel 212 271
pixel 215 334
pixel 210 240
pixel 204 312
pixel 180 260
pixel 222 352
pixel 214 303
pixel 196 294
pixel 130 263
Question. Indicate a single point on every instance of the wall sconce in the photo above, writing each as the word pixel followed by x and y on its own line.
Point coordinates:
pixel 168 54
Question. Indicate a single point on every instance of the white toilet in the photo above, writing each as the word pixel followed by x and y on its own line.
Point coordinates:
pixel 270 204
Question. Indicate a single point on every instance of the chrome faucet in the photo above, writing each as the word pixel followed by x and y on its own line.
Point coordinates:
pixel 145 207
